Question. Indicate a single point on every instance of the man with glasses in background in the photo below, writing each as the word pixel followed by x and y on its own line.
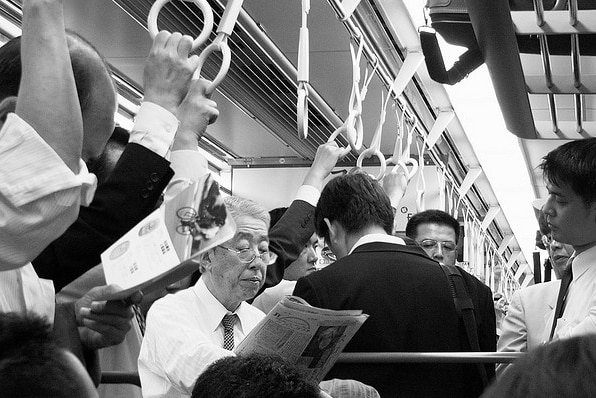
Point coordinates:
pixel 189 330
pixel 437 233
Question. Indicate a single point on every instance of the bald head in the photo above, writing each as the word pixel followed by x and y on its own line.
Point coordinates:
pixel 95 88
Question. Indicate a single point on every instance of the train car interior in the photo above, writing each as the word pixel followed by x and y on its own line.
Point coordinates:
pixel 302 69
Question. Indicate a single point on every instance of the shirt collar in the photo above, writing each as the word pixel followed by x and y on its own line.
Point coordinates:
pixel 216 310
pixel 371 238
pixel 583 261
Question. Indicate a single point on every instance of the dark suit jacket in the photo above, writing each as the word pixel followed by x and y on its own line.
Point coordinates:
pixel 411 309
pixel 484 312
pixel 128 195
pixel 288 237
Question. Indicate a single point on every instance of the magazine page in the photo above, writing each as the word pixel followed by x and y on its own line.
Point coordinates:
pixel 311 338
pixel 164 247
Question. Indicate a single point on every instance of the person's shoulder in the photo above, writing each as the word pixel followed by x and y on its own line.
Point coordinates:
pixel 539 289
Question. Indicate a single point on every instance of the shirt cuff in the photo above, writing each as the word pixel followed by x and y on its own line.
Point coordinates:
pixel 154 128
pixel 309 194
pixel 188 164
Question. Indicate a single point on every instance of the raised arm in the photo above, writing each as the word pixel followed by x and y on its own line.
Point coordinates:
pixel 47 97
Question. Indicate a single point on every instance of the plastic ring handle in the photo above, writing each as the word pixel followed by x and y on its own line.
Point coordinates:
pixel 207 17
pixel 223 69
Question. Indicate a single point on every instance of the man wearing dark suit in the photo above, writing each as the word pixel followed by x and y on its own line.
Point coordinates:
pixel 128 195
pixel 405 293
pixel 437 233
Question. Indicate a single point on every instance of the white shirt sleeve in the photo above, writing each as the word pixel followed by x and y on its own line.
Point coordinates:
pixel 154 128
pixel 174 353
pixel 39 194
pixel 309 194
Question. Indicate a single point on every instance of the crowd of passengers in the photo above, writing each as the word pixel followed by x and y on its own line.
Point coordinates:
pixel 71 184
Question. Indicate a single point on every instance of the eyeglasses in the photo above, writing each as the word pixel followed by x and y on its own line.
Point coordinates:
pixel 430 244
pixel 247 256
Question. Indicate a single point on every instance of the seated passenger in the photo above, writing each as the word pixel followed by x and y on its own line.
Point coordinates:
pixel 189 330
pixel 564 368
pixel 32 365
pixel 253 376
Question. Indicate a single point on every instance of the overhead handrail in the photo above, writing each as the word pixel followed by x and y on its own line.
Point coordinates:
pixel 406 159
pixel 420 181
pixel 352 127
pixel 401 157
pixel 220 43
pixel 375 146
pixel 303 73
pixel 429 357
pixel 207 20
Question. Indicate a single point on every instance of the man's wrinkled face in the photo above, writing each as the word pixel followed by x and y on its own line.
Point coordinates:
pixel 570 220
pixel 438 241
pixel 234 280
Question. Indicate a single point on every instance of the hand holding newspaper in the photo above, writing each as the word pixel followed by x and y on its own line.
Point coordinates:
pixel 162 248
pixel 308 337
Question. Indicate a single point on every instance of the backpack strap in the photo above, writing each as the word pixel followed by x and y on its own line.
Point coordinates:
pixel 465 310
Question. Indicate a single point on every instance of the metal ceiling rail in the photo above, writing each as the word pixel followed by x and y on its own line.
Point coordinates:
pixel 428 357
pixel 555 22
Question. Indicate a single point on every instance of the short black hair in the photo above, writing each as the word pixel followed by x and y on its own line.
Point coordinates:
pixel 253 376
pixel 564 368
pixel 431 217
pixel 356 201
pixel 31 363
pixel 573 164
pixel 104 164
pixel 80 50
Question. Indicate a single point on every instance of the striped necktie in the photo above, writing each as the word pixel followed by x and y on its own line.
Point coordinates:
pixel 228 322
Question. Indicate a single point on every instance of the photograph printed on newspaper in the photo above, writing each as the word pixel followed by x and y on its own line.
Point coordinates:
pixel 308 337
pixel 163 248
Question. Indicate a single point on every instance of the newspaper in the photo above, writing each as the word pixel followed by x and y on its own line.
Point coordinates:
pixel 163 248
pixel 308 337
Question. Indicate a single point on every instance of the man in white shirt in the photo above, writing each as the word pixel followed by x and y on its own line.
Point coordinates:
pixel 570 175
pixel 184 333
pixel 527 316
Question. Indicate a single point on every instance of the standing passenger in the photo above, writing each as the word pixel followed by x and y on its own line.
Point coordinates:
pixel 405 293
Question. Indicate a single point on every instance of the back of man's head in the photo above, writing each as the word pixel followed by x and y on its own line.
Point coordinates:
pixel 95 88
pixel 573 164
pixel 253 376
pixel 433 216
pixel 81 52
pixel 32 365
pixel 356 201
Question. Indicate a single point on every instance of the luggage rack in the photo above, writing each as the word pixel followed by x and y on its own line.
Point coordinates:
pixel 557 46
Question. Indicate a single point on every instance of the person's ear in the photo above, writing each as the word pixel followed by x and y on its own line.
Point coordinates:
pixel 7 105
pixel 206 261
pixel 331 227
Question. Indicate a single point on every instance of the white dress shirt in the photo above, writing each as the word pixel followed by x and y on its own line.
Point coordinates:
pixel 373 238
pixel 183 336
pixel 39 200
pixel 579 315
pixel 39 194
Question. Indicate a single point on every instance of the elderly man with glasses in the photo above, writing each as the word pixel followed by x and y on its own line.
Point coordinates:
pixel 191 329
